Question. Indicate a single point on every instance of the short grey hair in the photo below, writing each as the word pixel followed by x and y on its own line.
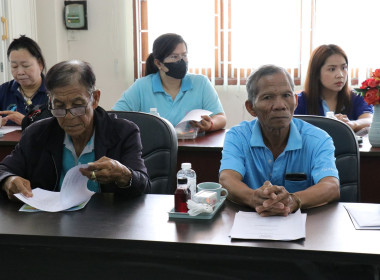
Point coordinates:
pixel 70 72
pixel 265 70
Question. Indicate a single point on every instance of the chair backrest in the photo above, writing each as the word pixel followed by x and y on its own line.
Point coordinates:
pixel 346 154
pixel 160 146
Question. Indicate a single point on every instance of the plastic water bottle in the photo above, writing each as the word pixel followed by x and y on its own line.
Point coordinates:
pixel 181 195
pixel 153 111
pixel 331 115
pixel 189 173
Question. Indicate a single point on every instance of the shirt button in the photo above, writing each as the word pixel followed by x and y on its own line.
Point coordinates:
pixel 270 161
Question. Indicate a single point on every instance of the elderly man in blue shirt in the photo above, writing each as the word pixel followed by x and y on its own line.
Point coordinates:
pixel 277 164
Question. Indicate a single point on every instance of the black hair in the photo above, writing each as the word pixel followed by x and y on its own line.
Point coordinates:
pixel 31 46
pixel 265 70
pixel 68 72
pixel 163 46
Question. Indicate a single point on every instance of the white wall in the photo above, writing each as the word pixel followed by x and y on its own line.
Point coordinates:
pixel 233 100
pixel 51 34
pixel 22 18
pixel 108 46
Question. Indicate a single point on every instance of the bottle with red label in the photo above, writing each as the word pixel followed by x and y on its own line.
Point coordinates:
pixel 181 195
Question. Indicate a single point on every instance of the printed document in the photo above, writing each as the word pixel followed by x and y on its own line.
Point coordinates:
pixel 364 215
pixel 73 192
pixel 185 129
pixel 194 115
pixel 250 225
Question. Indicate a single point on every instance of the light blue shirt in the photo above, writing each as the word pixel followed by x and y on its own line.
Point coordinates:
pixel 70 159
pixel 309 150
pixel 325 107
pixel 196 93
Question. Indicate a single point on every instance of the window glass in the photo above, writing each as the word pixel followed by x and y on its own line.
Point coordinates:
pixel 353 26
pixel 265 32
pixel 193 20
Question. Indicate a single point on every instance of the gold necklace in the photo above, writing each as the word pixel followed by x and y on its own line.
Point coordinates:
pixel 28 100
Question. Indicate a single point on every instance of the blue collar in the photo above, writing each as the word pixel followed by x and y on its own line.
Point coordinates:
pixel 70 146
pixel 186 83
pixel 294 141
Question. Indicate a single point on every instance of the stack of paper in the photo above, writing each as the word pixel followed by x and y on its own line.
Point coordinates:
pixel 250 225
pixel 364 215
pixel 74 193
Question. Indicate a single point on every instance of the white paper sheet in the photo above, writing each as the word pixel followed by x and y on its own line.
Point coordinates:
pixel 364 215
pixel 194 115
pixel 250 225
pixel 74 191
pixel 185 129
pixel 6 129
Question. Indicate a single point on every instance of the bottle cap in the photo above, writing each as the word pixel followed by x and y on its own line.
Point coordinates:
pixel 186 165
pixel 182 180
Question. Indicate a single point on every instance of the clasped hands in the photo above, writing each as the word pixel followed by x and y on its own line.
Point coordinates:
pixel 346 120
pixel 272 200
pixel 342 118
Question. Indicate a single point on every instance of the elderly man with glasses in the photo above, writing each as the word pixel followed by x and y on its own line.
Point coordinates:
pixel 80 132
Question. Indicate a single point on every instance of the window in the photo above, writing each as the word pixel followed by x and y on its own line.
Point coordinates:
pixel 351 25
pixel 228 39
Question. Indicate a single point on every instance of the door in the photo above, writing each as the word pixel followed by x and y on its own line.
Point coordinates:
pixel 3 43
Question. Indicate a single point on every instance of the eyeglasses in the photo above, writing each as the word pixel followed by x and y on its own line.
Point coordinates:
pixel 177 57
pixel 75 111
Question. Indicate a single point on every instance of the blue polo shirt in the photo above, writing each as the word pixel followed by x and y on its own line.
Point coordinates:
pixel 196 93
pixel 358 108
pixel 70 159
pixel 309 150
pixel 11 99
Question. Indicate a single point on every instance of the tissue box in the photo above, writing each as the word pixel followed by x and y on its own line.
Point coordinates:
pixel 204 196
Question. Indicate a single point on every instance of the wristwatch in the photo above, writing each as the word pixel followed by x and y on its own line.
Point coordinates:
pixel 128 185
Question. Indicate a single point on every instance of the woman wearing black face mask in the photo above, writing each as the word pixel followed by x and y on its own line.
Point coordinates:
pixel 169 88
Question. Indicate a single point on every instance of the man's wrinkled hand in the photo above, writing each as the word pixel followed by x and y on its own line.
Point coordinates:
pixel 272 200
pixel 16 184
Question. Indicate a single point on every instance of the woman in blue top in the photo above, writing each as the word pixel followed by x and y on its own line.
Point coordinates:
pixel 326 89
pixel 169 88
pixel 27 88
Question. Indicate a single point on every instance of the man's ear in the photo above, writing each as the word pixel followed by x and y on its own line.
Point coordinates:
pixel 96 98
pixel 250 108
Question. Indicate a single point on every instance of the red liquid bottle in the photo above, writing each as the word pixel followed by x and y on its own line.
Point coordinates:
pixel 181 195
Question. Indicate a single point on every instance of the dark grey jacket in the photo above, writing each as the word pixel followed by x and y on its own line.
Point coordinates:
pixel 38 155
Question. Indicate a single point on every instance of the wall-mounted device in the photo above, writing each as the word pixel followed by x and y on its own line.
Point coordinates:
pixel 75 15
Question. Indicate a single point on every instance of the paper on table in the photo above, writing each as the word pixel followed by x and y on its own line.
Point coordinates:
pixel 364 215
pixel 74 191
pixel 250 225
pixel 28 208
pixel 9 128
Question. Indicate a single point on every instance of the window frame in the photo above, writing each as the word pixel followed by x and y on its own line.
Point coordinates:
pixel 223 45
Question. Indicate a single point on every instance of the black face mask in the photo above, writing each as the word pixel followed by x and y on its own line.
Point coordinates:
pixel 177 70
